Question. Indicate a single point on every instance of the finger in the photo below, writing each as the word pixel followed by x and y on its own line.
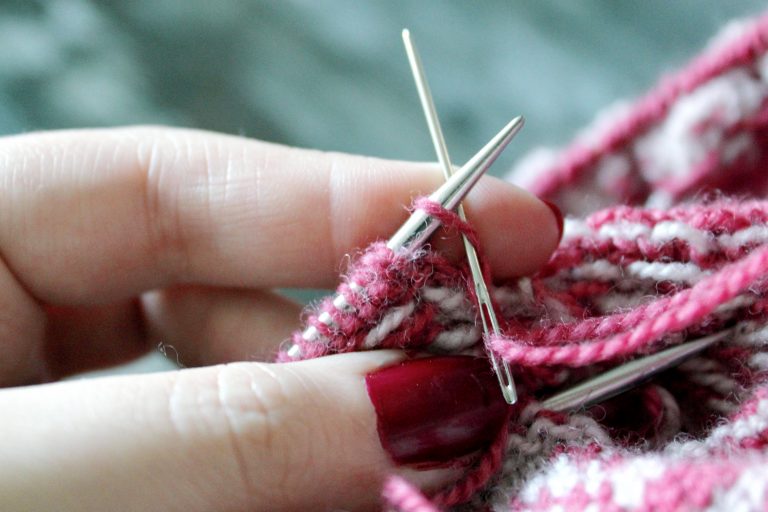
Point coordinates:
pixel 246 436
pixel 22 330
pixel 87 338
pixel 214 325
pixel 100 215
pixel 202 326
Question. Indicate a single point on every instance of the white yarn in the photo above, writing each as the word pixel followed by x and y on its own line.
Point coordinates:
pixel 685 137
pixel 688 273
pixel 701 241
pixel 744 237
pixel 450 300
pixel 748 493
pixel 457 339
pixel 740 428
pixel 759 361
pixel 616 302
pixel 604 270
pixel 667 231
pixel 388 323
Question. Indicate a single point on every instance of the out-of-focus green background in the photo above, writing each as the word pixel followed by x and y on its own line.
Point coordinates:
pixel 333 75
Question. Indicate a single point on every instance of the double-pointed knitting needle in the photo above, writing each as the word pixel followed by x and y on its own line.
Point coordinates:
pixel 628 375
pixel 484 303
pixel 419 226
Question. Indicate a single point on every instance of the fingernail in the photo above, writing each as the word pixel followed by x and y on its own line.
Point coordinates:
pixel 431 411
pixel 558 217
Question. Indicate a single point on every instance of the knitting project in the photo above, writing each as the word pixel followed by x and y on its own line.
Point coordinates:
pixel 666 239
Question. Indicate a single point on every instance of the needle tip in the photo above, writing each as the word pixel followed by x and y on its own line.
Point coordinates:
pixel 454 190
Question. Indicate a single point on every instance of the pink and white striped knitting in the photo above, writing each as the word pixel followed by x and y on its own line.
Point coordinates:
pixel 666 239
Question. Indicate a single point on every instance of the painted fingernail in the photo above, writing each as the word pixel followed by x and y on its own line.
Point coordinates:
pixel 431 411
pixel 558 217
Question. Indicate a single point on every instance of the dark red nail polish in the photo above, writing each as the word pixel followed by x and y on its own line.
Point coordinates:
pixel 558 217
pixel 430 411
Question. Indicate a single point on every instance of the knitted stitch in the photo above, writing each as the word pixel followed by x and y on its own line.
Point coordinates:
pixel 662 244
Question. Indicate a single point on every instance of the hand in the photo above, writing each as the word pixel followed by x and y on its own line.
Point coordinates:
pixel 113 240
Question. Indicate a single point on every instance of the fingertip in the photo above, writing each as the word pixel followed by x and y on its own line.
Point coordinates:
pixel 518 231
pixel 350 375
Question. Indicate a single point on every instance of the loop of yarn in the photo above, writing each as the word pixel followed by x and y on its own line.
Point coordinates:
pixel 448 219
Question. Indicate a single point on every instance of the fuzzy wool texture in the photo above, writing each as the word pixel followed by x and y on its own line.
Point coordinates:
pixel 666 240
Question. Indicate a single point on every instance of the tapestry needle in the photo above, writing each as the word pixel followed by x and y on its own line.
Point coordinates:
pixel 420 225
pixel 484 303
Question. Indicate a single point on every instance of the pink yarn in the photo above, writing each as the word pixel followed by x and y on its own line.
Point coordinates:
pixel 478 477
pixel 627 279
pixel 578 158
pixel 448 219
pixel 648 324
pixel 404 497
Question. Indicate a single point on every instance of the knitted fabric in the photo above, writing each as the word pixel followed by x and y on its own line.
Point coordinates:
pixel 666 240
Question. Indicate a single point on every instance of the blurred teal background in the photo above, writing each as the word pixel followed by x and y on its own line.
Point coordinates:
pixel 333 75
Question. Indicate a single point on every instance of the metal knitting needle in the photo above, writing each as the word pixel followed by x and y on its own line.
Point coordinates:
pixel 485 306
pixel 629 375
pixel 419 226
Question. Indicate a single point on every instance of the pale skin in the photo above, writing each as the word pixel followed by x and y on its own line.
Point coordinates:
pixel 114 240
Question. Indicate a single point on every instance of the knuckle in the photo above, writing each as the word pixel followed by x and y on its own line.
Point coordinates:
pixel 190 187
pixel 161 186
pixel 251 397
pixel 268 443
pixel 234 414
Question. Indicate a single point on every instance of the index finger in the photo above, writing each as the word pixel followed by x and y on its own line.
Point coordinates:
pixel 95 215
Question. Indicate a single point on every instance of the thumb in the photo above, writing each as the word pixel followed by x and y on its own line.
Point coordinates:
pixel 312 435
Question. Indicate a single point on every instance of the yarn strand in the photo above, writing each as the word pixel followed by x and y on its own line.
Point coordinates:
pixel 675 314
